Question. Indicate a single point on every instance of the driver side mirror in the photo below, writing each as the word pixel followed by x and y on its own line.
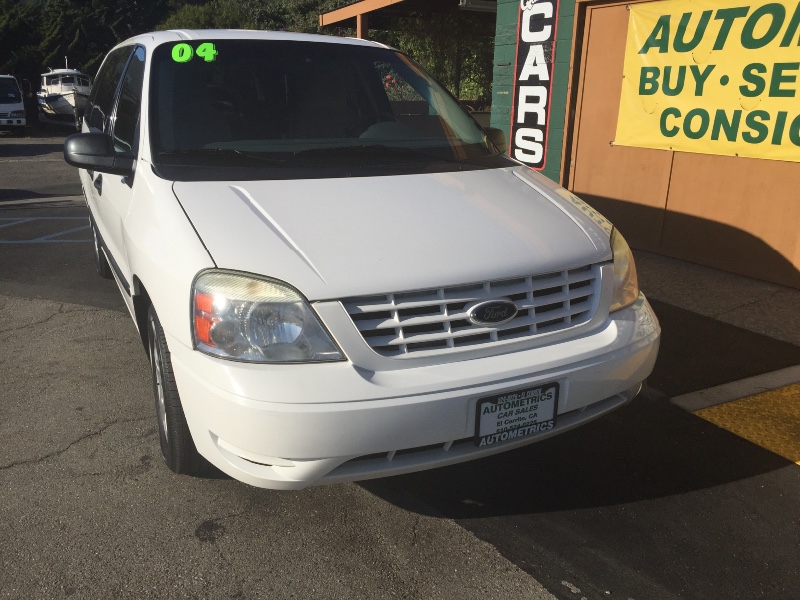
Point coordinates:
pixel 94 152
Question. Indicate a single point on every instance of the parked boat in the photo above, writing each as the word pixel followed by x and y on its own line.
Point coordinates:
pixel 63 96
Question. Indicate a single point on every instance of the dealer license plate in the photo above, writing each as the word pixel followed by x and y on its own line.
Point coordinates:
pixel 516 414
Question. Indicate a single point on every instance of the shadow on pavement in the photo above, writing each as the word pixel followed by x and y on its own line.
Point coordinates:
pixel 649 501
pixel 28 149
pixel 698 352
pixel 11 194
pixel 648 449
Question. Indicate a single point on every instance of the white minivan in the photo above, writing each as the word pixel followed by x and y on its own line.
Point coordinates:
pixel 12 106
pixel 336 273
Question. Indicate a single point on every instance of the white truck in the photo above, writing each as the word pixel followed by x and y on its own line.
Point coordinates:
pixel 12 106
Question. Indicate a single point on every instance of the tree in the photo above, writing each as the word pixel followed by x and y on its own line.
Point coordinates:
pixel 456 47
pixel 85 30
pixel 36 35
pixel 20 23
pixel 277 15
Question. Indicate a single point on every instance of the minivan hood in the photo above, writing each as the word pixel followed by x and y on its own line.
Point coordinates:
pixel 342 237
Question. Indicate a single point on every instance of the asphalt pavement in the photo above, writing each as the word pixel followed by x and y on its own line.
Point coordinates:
pixel 650 502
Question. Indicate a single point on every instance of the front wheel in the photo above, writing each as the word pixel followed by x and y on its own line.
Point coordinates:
pixel 177 445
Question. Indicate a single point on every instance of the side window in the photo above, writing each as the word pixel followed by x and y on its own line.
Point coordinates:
pixel 126 121
pixel 101 100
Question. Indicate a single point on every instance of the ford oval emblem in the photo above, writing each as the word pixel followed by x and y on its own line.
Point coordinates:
pixel 493 312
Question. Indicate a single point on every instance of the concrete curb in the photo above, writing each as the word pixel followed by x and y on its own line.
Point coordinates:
pixel 736 390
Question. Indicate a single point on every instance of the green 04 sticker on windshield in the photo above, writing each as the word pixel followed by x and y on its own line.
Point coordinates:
pixel 183 52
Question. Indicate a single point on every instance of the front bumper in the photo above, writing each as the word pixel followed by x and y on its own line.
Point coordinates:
pixel 290 426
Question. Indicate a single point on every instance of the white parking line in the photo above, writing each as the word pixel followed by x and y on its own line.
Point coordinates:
pixel 52 238
pixel 30 159
pixel 42 200
pixel 14 221
pixel 735 390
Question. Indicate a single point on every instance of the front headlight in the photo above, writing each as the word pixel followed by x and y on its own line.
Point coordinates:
pixel 626 284
pixel 245 318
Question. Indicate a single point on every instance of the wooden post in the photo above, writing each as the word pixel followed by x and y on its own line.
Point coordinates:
pixel 362 26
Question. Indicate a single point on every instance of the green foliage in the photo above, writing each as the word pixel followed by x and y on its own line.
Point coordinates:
pixel 276 15
pixel 20 23
pixel 190 16
pixel 35 34
pixel 455 47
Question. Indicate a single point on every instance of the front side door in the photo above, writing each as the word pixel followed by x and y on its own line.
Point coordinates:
pixel 111 194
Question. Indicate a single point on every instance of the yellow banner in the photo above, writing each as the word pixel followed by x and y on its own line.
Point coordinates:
pixel 714 77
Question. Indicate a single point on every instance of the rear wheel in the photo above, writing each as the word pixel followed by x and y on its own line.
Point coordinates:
pixel 177 445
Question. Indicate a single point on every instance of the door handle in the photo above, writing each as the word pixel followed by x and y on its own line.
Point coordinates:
pixel 98 184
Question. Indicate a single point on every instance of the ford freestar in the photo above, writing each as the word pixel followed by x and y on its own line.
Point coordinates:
pixel 336 272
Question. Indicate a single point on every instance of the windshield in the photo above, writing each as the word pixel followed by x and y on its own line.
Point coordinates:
pixel 9 91
pixel 265 104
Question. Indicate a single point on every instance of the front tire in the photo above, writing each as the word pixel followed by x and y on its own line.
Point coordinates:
pixel 177 445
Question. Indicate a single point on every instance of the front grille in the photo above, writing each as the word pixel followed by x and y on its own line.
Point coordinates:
pixel 436 321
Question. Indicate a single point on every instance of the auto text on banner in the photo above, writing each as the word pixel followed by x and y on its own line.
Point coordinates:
pixel 713 77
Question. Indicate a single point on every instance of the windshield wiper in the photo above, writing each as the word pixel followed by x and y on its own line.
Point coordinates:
pixel 229 153
pixel 374 151
pixel 363 155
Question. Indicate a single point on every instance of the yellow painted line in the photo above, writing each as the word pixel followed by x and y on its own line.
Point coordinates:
pixel 770 419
